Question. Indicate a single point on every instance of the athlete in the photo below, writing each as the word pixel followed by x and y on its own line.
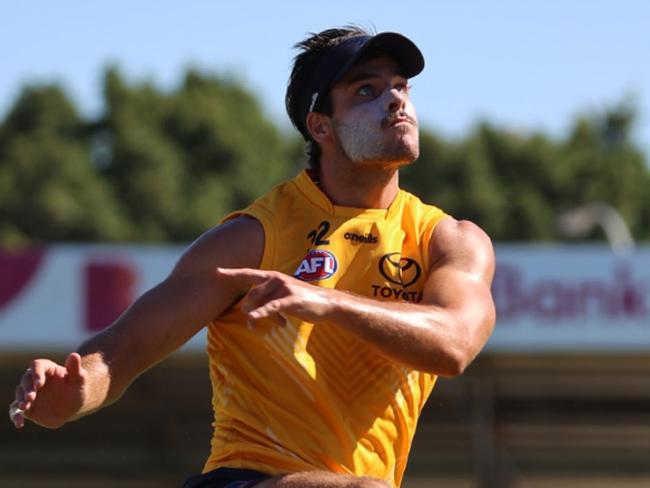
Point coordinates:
pixel 332 303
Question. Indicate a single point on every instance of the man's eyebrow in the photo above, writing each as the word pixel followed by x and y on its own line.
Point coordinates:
pixel 363 75
pixel 359 76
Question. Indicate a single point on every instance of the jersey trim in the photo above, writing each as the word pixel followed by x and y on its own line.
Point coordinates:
pixel 264 217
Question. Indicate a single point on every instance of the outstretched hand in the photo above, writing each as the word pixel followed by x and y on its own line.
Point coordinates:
pixel 273 295
pixel 49 394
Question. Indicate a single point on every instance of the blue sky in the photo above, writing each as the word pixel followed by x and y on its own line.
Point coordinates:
pixel 525 65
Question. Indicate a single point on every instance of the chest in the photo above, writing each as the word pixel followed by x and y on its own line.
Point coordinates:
pixel 381 259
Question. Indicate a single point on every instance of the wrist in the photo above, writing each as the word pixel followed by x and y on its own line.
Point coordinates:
pixel 341 306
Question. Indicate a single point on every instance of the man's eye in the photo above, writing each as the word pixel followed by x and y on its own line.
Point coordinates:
pixel 403 87
pixel 365 91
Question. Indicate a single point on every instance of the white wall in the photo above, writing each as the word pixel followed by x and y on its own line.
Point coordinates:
pixel 555 298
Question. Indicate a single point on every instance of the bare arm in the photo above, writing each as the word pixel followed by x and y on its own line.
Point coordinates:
pixel 446 331
pixel 442 334
pixel 158 323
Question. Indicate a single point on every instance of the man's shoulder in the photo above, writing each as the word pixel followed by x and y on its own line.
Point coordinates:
pixel 270 202
pixel 238 242
pixel 460 239
pixel 424 216
pixel 413 201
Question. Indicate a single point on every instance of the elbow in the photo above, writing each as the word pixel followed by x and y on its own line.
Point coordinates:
pixel 454 363
pixel 447 362
pixel 455 356
pixel 463 346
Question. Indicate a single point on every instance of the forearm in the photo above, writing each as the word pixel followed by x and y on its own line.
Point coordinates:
pixel 157 324
pixel 441 339
pixel 144 335
pixel 424 337
pixel 107 369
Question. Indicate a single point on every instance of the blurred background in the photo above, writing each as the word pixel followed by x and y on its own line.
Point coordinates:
pixel 127 129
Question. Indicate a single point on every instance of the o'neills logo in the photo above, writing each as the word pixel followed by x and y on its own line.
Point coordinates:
pixel 363 238
pixel 317 265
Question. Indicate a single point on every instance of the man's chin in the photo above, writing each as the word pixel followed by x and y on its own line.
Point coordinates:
pixel 402 156
pixel 399 153
pixel 388 161
pixel 399 163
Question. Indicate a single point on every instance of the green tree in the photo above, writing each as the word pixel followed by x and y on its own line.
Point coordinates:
pixel 165 166
pixel 607 166
pixel 182 160
pixel 48 188
pixel 457 177
pixel 516 185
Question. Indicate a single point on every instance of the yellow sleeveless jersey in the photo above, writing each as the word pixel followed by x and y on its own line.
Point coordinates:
pixel 315 397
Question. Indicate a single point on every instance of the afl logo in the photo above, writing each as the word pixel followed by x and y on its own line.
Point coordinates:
pixel 317 265
pixel 399 270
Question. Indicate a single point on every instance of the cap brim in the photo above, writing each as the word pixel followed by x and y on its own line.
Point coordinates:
pixel 400 48
pixel 395 45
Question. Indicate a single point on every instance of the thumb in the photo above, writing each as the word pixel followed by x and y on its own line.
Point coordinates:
pixel 73 367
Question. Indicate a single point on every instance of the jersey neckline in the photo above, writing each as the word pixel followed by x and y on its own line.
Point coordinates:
pixel 315 195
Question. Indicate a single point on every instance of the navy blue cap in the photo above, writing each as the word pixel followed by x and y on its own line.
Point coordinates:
pixel 337 60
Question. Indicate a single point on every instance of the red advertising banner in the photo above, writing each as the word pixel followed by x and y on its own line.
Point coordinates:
pixel 549 298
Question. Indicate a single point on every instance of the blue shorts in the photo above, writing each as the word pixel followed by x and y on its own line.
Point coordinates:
pixel 226 478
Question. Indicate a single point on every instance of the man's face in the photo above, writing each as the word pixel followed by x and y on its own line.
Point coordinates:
pixel 373 117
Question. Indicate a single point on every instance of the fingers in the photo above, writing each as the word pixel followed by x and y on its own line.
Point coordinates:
pixel 19 394
pixel 28 388
pixel 73 368
pixel 39 369
pixel 26 391
pixel 25 394
pixel 260 295
pixel 16 414
pixel 273 310
pixel 244 276
pixel 269 296
pixel 32 380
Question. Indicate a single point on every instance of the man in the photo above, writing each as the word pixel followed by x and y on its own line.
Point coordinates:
pixel 332 303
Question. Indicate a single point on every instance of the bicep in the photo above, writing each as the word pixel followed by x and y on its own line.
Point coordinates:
pixel 460 278
pixel 169 314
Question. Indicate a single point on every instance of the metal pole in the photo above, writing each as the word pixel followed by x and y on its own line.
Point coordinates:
pixel 580 220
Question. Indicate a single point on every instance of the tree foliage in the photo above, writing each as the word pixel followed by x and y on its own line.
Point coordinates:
pixel 165 166
pixel 180 161
pixel 48 188
pixel 517 185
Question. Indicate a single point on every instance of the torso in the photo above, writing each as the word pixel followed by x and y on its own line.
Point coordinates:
pixel 309 396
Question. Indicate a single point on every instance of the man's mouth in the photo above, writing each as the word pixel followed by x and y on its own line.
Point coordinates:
pixel 400 119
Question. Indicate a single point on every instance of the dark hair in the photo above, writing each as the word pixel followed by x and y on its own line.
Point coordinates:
pixel 312 50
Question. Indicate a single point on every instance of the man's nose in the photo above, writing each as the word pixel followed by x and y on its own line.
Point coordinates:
pixel 395 100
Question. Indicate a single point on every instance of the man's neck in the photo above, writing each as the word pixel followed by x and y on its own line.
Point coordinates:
pixel 359 186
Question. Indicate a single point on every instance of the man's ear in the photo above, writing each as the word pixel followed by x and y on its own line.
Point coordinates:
pixel 319 126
